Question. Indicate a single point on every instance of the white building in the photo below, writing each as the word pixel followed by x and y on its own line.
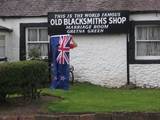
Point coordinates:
pixel 104 59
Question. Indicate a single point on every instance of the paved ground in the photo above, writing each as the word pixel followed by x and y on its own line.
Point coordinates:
pixel 20 107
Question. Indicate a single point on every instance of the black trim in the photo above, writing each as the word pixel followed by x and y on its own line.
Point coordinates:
pixel 155 22
pixel 3 58
pixel 131 44
pixel 22 42
pixel 128 70
pixel 3 17
pixel 23 26
pixel 144 12
pixel 5 29
pixel 132 59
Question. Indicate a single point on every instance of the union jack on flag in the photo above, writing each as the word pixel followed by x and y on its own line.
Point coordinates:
pixel 60 46
pixel 63 49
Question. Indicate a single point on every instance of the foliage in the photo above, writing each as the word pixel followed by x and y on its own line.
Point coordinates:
pixel 92 98
pixel 23 77
pixel 34 53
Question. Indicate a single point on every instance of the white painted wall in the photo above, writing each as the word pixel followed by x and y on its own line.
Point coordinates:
pixel 145 75
pixel 14 37
pixel 100 59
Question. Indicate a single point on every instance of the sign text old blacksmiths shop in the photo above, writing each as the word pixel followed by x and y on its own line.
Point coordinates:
pixel 88 22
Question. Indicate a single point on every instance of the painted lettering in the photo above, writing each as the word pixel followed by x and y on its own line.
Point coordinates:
pixel 117 20
pixel 56 22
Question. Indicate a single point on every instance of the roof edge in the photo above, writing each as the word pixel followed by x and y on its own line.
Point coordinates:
pixel 22 16
pixel 2 28
pixel 131 12
pixel 144 12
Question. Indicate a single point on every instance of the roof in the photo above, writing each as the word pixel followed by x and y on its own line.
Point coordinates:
pixel 10 8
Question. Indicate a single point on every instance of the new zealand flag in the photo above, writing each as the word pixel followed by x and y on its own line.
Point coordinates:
pixel 60 46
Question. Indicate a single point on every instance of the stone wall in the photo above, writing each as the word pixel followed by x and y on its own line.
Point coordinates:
pixel 88 116
pixel 145 75
pixel 17 117
pixel 100 59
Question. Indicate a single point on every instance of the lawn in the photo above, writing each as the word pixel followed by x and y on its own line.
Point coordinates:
pixel 91 98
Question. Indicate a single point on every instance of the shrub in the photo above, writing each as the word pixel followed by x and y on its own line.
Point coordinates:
pixel 34 53
pixel 23 77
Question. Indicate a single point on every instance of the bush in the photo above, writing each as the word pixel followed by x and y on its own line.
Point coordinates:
pixel 34 54
pixel 23 77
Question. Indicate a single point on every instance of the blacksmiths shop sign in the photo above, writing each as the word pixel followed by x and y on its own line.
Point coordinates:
pixel 88 22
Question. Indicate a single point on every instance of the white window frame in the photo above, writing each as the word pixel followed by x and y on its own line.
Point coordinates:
pixel 5 51
pixel 144 57
pixel 35 42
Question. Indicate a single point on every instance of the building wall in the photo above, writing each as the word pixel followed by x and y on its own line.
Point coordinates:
pixel 14 37
pixel 145 75
pixel 100 59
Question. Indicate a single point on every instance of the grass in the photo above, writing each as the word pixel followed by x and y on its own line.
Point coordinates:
pixel 91 98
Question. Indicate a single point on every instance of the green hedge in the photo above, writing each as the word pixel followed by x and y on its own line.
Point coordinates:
pixel 23 77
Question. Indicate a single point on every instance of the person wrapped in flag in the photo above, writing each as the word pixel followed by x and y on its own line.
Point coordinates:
pixel 60 60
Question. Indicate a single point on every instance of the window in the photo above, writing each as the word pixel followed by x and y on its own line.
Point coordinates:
pixel 2 45
pixel 147 42
pixel 37 42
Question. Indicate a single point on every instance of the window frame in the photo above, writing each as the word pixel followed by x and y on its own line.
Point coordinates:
pixel 136 40
pixel 5 38
pixel 131 43
pixel 22 41
pixel 35 42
